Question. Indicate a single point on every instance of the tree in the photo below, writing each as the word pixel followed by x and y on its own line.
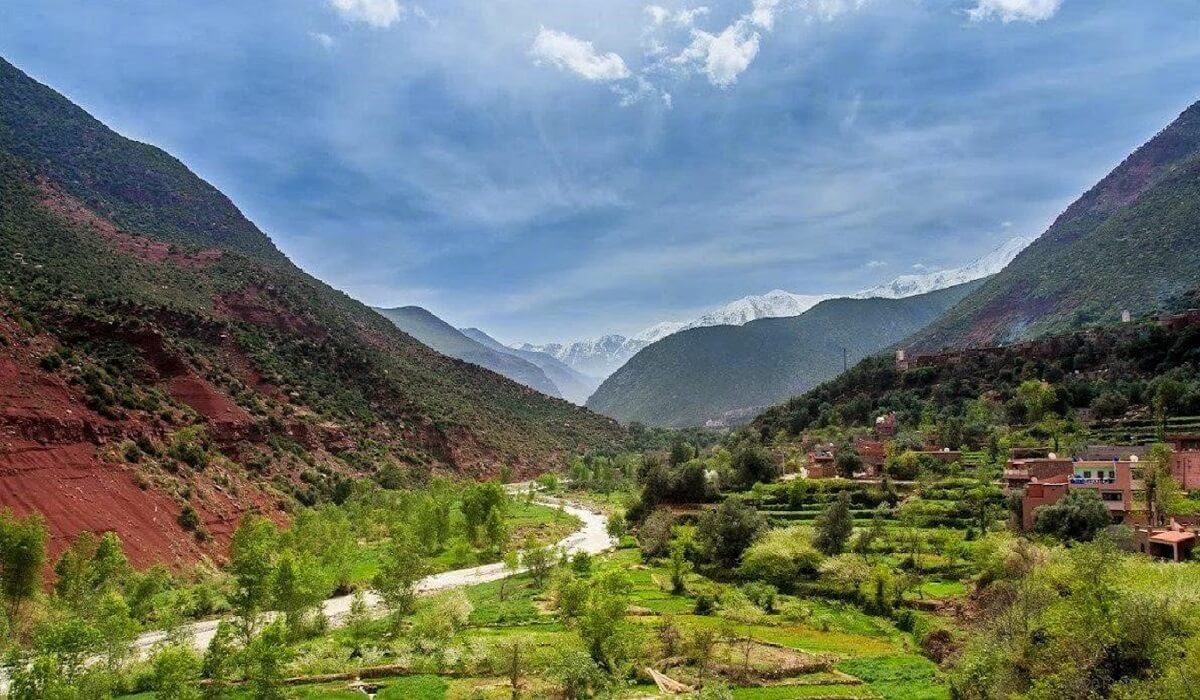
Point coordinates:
pixel 512 564
pixel 679 566
pixel 402 567
pixel 726 531
pixel 438 620
pixel 1160 490
pixel 298 589
pixel 511 659
pixel 263 662
pixel 616 526
pixel 538 560
pixel 176 674
pixel 1037 398
pixel 654 536
pixel 252 563
pixel 1079 516
pixel 753 464
pixel 495 531
pixel 847 462
pixel 834 526
pixel 220 660
pixel 578 676
pixel 702 645
pixel 478 503
pixel 22 557
pixel 601 622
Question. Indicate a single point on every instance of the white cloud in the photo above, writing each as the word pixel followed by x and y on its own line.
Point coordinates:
pixel 326 41
pixel 1014 10
pixel 876 263
pixel 920 266
pixel 722 57
pixel 377 13
pixel 763 13
pixel 578 56
pixel 686 17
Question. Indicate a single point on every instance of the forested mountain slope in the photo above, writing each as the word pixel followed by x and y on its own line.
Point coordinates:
pixel 725 373
pixel 1131 242
pixel 448 340
pixel 164 369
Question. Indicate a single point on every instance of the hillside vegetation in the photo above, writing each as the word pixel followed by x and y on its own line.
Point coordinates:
pixel 1119 375
pixel 147 327
pixel 1127 243
pixel 723 373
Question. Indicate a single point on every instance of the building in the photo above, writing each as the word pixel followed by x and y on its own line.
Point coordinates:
pixel 1118 483
pixel 1174 542
pixel 1185 460
pixel 821 465
pixel 885 425
pixel 1020 472
pixel 873 454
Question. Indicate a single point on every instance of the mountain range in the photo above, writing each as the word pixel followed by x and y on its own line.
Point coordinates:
pixel 724 375
pixel 1128 243
pixel 448 340
pixel 156 347
pixel 604 355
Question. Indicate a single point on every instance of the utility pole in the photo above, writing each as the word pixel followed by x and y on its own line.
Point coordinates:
pixel 845 363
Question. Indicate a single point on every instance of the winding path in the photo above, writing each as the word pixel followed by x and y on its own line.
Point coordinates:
pixel 592 538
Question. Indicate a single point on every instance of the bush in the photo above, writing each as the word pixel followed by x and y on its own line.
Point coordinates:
pixel 781 558
pixel 189 519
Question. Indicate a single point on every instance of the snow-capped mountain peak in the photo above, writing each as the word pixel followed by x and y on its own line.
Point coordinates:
pixel 911 285
pixel 774 303
pixel 602 356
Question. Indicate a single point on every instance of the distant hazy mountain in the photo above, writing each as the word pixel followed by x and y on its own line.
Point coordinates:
pixel 574 386
pixel 448 340
pixel 990 264
pixel 599 357
pixel 604 355
pixel 724 374
pixel 1130 242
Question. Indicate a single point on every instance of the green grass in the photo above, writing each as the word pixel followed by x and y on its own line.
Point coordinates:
pixel 898 677
pixel 414 688
pixel 796 692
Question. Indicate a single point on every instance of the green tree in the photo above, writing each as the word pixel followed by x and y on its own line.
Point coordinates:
pixel 726 531
pixel 252 556
pixel 1078 516
pixel 538 560
pixel 1037 398
pixel 1160 491
pixel 299 587
pixel 834 526
pixel 753 464
pixel 478 503
pixel 679 566
pixel 220 660
pixel 264 660
pixel 402 567
pixel 176 674
pixel 495 531
pixel 601 622
pixel 22 557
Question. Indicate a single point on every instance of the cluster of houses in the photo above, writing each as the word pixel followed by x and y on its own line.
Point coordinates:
pixel 1115 473
pixel 1041 478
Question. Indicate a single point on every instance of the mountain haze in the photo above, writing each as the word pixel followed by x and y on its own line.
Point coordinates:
pixel 1130 242
pixel 574 386
pixel 724 374
pixel 448 340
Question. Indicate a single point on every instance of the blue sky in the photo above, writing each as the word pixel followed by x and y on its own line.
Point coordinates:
pixel 548 169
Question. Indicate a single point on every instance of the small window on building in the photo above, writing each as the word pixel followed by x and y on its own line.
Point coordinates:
pixel 1087 474
pixel 1111 496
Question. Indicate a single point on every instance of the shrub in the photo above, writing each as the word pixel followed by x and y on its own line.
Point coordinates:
pixel 781 558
